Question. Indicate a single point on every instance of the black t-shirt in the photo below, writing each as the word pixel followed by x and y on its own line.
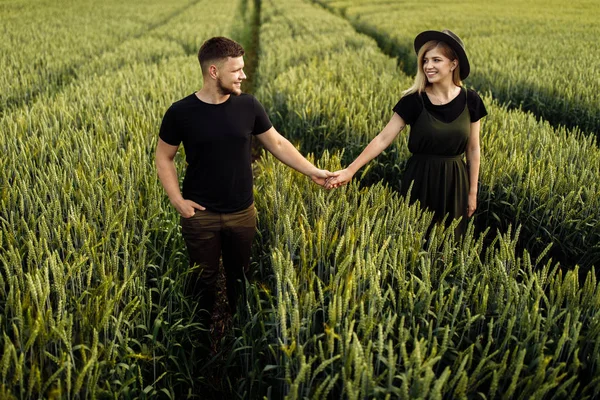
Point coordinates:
pixel 409 107
pixel 217 143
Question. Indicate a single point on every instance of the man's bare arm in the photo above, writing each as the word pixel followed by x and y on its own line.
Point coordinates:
pixel 167 173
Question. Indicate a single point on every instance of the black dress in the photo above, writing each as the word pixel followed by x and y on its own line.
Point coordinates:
pixel 437 170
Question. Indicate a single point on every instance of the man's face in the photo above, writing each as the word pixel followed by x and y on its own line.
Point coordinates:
pixel 230 76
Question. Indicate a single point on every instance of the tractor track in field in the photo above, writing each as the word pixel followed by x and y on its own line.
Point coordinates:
pixel 406 61
pixel 70 74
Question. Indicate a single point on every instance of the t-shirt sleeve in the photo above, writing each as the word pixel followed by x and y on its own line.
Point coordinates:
pixel 477 109
pixel 168 129
pixel 262 123
pixel 408 108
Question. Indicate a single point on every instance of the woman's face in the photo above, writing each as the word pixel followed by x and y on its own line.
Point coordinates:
pixel 437 67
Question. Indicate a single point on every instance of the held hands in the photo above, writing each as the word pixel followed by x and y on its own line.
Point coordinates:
pixel 342 177
pixel 187 208
pixel 321 176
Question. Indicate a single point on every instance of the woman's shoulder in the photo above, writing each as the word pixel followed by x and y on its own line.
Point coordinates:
pixel 413 96
pixel 410 98
pixel 408 107
pixel 473 97
pixel 472 93
pixel 476 105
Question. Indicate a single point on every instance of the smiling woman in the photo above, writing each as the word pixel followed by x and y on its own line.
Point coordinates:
pixel 444 119
pixel 437 64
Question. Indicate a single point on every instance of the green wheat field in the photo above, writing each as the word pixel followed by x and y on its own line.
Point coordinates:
pixel 348 298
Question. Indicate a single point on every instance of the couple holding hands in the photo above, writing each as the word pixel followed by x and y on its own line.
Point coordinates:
pixel 216 123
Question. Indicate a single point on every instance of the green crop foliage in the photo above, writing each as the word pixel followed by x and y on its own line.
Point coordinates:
pixel 46 45
pixel 534 55
pixel 533 175
pixel 92 265
pixel 355 301
pixel 349 296
pixel 360 304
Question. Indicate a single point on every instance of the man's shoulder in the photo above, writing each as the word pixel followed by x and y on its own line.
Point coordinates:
pixel 246 102
pixel 243 98
pixel 181 106
pixel 185 102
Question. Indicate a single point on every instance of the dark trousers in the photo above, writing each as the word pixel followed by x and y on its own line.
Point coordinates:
pixel 208 237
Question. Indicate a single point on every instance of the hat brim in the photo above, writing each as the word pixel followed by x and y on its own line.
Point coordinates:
pixel 463 61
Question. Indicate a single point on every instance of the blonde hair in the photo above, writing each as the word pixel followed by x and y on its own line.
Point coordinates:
pixel 420 79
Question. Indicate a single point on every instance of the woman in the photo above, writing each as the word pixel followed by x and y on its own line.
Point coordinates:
pixel 445 121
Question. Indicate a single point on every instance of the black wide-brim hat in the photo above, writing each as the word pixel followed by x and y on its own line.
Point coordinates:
pixel 453 41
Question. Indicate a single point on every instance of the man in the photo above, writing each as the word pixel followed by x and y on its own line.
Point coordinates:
pixel 215 125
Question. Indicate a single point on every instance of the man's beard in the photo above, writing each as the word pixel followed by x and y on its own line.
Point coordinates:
pixel 225 90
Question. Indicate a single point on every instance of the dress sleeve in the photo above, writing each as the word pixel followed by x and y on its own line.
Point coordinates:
pixel 262 123
pixel 168 129
pixel 477 109
pixel 409 107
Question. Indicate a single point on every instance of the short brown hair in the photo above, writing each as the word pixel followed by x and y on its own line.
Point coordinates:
pixel 218 48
